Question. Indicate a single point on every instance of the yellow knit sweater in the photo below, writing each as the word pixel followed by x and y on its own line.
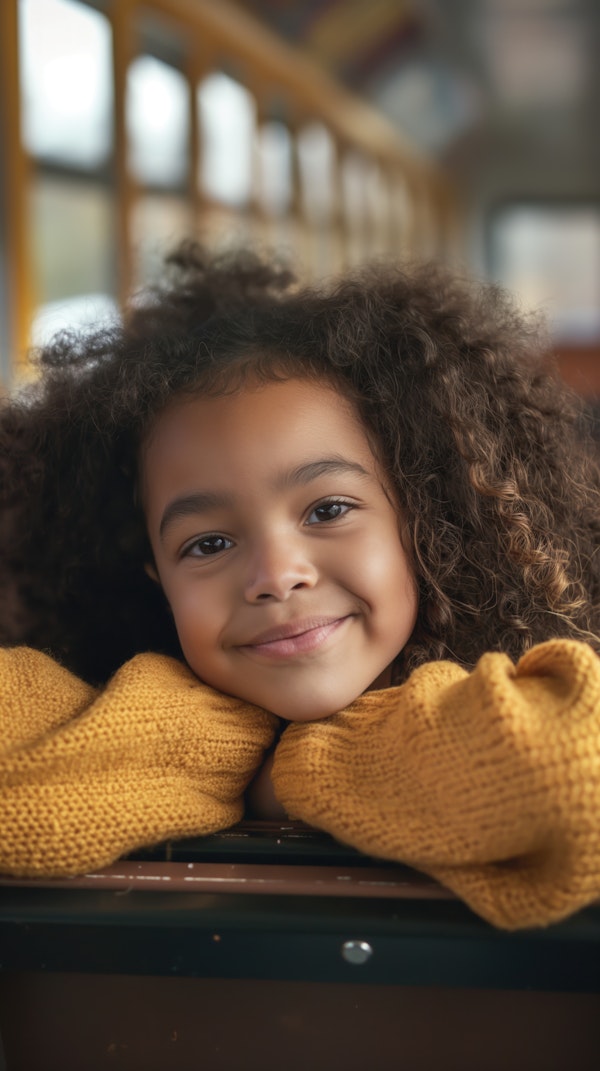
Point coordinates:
pixel 489 781
pixel 87 776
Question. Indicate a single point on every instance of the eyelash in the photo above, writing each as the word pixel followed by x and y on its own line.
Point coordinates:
pixel 187 551
pixel 323 505
pixel 327 503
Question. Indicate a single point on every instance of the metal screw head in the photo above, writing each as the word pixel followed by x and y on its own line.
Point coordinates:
pixel 357 952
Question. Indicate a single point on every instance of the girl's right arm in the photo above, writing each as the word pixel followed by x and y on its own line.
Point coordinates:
pixel 87 776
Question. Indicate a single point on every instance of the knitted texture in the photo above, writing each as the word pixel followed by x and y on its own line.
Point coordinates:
pixel 488 781
pixel 87 776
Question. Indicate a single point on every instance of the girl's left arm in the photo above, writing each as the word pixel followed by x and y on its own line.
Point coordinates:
pixel 489 781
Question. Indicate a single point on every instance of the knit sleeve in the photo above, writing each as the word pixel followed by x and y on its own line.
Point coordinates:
pixel 87 776
pixel 488 781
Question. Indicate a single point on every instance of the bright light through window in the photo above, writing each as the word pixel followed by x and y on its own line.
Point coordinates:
pixel 157 121
pixel 65 55
pixel 316 153
pixel 86 312
pixel 354 182
pixel 228 120
pixel 274 148
pixel 550 257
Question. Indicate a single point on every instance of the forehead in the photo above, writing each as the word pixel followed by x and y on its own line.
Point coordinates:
pixel 256 430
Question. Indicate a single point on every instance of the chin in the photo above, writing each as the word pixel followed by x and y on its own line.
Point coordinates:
pixel 305 710
pixel 294 703
pixel 302 716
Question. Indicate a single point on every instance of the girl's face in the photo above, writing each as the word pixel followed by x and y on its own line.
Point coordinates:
pixel 277 546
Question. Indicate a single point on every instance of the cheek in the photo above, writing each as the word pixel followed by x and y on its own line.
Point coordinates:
pixel 196 620
pixel 384 564
pixel 399 599
pixel 407 604
pixel 394 580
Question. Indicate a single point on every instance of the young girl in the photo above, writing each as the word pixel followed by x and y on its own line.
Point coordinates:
pixel 351 509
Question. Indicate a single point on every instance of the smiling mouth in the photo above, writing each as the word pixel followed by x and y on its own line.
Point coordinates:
pixel 303 638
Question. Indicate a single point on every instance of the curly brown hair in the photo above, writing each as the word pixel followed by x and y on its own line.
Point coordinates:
pixel 484 448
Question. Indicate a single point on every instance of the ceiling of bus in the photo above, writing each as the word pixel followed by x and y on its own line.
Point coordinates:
pixel 504 93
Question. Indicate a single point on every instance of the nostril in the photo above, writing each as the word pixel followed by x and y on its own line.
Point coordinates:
pixel 277 584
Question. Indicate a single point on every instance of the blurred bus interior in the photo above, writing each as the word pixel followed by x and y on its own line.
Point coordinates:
pixel 333 131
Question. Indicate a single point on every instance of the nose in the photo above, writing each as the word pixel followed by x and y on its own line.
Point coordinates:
pixel 277 567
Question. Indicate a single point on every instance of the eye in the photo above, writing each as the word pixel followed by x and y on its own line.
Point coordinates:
pixel 206 546
pixel 330 510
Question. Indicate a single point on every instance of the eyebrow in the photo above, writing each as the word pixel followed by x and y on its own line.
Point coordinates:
pixel 312 470
pixel 194 503
pixel 202 501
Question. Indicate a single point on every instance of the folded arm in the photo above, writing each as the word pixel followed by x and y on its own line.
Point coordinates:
pixel 87 775
pixel 488 781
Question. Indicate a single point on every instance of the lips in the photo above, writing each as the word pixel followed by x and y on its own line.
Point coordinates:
pixel 296 637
